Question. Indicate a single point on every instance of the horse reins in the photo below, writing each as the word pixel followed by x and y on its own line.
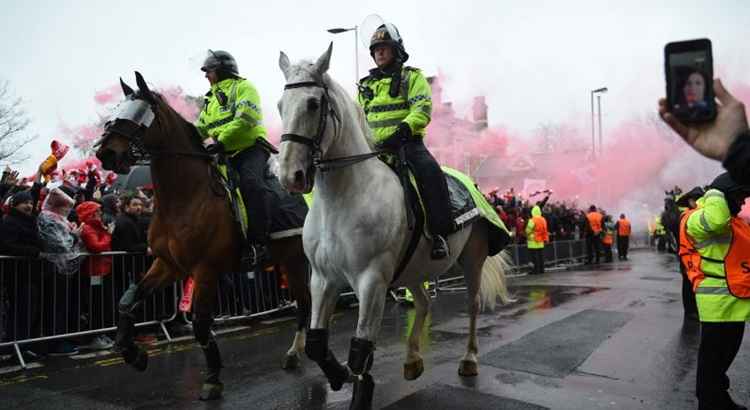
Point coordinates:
pixel 314 143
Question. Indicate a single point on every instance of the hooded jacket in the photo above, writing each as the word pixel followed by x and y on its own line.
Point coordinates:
pixel 96 239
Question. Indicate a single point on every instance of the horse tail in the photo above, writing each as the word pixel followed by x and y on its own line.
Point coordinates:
pixel 493 283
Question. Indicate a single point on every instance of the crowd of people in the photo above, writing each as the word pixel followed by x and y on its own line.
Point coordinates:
pixel 538 222
pixel 57 226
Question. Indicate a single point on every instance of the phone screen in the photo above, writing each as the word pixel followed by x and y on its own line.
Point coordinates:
pixel 689 67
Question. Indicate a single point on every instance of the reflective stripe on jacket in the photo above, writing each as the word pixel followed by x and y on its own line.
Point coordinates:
pixel 706 234
pixel 412 105
pixel 238 123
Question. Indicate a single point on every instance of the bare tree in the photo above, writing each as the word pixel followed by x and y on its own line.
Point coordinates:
pixel 13 124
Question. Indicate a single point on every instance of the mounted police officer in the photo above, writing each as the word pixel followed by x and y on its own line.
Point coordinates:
pixel 231 122
pixel 397 101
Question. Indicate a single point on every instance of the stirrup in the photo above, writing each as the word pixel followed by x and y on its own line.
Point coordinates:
pixel 440 248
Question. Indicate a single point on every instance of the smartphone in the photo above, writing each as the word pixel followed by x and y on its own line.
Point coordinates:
pixel 689 71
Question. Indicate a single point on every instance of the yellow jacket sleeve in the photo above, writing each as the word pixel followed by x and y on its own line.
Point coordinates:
pixel 420 103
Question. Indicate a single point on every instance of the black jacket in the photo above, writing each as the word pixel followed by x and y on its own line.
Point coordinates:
pixel 737 161
pixel 129 234
pixel 19 235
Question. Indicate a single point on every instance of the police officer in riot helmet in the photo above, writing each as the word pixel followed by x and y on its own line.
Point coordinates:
pixel 397 101
pixel 231 123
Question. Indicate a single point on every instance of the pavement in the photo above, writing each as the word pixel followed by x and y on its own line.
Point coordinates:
pixel 611 336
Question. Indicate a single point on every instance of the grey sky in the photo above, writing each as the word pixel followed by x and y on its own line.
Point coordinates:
pixel 535 61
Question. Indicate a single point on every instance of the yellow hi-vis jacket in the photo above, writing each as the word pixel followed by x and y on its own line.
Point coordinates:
pixel 238 122
pixel 412 105
pixel 709 228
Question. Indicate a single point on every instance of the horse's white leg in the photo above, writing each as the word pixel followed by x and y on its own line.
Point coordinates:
pixel 472 259
pixel 324 294
pixel 371 290
pixel 414 365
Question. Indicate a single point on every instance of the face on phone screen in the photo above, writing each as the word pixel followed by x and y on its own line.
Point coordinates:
pixel 691 94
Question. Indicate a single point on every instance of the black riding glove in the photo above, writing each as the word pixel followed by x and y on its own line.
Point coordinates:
pixel 398 138
pixel 215 148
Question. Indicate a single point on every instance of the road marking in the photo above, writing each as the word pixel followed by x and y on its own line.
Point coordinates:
pixel 21 379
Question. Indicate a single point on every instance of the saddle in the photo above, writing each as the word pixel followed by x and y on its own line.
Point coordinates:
pixel 467 205
pixel 288 210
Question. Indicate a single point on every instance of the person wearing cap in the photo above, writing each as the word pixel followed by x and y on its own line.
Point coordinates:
pixel 715 249
pixel 685 202
pixel 231 123
pixel 397 101
pixel 19 235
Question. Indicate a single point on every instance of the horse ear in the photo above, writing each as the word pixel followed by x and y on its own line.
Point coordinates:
pixel 321 66
pixel 284 64
pixel 126 88
pixel 145 92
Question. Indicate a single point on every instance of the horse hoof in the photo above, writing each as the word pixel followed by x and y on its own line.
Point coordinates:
pixel 136 357
pixel 211 391
pixel 467 368
pixel 413 370
pixel 291 362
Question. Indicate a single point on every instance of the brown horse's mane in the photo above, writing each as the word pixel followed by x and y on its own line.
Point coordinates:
pixel 195 138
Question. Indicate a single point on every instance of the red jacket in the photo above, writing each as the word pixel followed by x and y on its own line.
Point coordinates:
pixel 96 238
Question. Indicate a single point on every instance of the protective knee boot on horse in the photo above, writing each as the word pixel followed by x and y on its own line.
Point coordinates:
pixel 316 348
pixel 440 249
pixel 202 330
pixel 360 355
pixel 364 388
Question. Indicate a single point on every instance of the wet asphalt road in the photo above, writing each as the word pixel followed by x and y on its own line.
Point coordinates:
pixel 609 337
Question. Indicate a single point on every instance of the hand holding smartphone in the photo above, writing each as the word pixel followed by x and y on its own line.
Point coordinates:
pixel 688 67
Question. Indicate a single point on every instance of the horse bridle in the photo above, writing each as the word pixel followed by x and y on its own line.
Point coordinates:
pixel 315 142
pixel 131 121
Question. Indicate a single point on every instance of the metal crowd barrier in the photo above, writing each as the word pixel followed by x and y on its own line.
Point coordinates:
pixel 39 303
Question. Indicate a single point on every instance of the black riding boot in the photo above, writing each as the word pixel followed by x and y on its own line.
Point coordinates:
pixel 250 164
pixel 434 191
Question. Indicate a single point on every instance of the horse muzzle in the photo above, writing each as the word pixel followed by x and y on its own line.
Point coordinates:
pixel 114 161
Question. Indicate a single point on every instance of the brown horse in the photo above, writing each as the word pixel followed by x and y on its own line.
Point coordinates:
pixel 193 232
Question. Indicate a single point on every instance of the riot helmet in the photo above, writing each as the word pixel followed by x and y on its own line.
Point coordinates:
pixel 387 34
pixel 220 61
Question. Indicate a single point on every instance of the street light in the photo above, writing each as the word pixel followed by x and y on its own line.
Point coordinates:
pixel 593 138
pixel 340 30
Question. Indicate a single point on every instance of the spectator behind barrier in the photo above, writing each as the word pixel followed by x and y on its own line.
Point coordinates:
pixel 59 236
pixel 129 234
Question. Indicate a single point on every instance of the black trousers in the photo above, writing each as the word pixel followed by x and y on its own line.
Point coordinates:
pixel 607 252
pixel 688 297
pixel 720 342
pixel 432 187
pixel 250 164
pixel 537 259
pixel 623 243
pixel 593 248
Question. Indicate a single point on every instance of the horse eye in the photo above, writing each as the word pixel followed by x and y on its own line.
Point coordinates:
pixel 312 104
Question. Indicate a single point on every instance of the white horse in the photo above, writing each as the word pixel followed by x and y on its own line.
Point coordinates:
pixel 356 232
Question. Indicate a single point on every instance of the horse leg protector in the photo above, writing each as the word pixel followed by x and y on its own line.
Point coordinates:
pixel 126 324
pixel 202 329
pixel 316 348
pixel 364 388
pixel 360 355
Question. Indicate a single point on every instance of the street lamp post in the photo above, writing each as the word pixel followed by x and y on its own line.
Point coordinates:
pixel 356 47
pixel 599 109
pixel 593 138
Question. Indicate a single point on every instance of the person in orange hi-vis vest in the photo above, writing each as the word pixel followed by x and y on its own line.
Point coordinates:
pixel 608 238
pixel 593 235
pixel 623 229
pixel 536 235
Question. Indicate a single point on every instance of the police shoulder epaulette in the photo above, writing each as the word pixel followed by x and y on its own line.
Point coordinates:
pixel 409 68
pixel 364 79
